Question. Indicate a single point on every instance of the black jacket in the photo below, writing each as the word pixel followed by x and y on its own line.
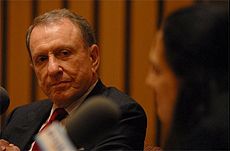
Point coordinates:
pixel 25 121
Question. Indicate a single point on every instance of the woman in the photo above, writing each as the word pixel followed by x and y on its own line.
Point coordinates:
pixel 189 75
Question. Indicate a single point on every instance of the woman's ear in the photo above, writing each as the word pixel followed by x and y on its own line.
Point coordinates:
pixel 95 57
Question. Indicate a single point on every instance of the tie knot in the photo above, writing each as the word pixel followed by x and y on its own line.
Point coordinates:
pixel 58 114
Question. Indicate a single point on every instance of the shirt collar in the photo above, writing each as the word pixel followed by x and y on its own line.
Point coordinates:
pixel 72 107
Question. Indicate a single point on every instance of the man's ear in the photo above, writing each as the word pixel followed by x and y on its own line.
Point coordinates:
pixel 31 65
pixel 95 57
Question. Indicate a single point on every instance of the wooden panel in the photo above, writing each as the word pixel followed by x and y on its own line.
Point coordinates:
pixel 144 14
pixel 112 42
pixel 44 6
pixel 18 59
pixel 1 17
pixel 47 5
pixel 84 8
pixel 3 58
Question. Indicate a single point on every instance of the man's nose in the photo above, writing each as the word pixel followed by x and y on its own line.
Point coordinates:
pixel 53 66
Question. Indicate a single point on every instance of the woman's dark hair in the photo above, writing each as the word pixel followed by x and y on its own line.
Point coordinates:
pixel 196 48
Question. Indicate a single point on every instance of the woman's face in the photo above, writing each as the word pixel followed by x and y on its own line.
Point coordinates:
pixel 164 83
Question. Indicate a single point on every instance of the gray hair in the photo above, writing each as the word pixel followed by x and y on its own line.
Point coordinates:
pixel 58 14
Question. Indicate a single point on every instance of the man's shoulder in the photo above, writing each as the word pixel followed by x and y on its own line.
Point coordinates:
pixel 112 93
pixel 29 112
pixel 117 94
pixel 126 102
pixel 46 103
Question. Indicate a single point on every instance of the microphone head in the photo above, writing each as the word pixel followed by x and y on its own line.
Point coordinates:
pixel 91 121
pixel 4 100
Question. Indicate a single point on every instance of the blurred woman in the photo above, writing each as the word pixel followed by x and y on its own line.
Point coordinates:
pixel 189 75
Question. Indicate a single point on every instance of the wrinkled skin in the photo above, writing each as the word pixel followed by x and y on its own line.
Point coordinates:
pixel 65 67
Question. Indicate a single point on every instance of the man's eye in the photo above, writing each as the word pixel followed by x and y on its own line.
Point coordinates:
pixel 64 53
pixel 41 59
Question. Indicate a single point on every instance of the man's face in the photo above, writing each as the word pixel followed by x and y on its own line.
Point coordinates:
pixel 162 80
pixel 65 67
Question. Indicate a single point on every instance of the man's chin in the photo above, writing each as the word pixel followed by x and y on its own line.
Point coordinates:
pixel 60 101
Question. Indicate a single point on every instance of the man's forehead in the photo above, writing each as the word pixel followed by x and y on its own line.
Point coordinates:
pixel 65 27
pixel 57 22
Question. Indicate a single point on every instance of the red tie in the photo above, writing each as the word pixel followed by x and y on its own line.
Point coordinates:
pixel 57 115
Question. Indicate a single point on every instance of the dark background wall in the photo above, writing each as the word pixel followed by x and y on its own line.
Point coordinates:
pixel 124 28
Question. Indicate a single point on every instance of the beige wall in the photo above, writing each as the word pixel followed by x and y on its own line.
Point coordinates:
pixel 111 33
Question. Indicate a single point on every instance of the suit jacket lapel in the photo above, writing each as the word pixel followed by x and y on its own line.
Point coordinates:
pixel 97 90
pixel 37 117
pixel 34 121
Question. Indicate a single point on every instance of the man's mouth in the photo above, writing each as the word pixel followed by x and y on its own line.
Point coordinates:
pixel 60 83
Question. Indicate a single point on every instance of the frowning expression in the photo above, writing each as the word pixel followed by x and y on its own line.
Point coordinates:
pixel 65 67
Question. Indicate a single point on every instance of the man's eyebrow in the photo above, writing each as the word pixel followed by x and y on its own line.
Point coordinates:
pixel 35 55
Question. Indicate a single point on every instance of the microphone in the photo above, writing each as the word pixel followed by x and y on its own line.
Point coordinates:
pixel 4 100
pixel 83 129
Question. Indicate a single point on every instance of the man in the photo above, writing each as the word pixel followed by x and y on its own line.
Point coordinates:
pixel 65 58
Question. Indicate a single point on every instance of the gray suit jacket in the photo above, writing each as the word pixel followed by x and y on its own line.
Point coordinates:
pixel 25 121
